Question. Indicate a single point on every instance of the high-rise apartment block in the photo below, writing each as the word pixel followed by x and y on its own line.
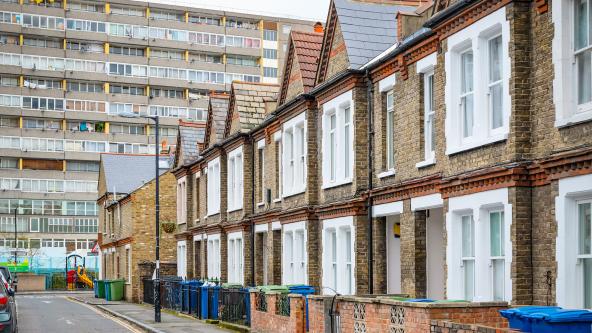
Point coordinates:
pixel 71 75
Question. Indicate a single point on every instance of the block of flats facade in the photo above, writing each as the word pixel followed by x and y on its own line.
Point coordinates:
pixel 73 72
pixel 452 164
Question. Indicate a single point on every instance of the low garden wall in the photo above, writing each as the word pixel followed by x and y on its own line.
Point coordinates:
pixel 275 312
pixel 442 326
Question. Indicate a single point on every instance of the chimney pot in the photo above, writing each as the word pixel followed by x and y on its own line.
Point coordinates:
pixel 318 27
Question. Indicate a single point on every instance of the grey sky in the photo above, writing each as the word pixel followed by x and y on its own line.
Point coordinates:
pixel 300 9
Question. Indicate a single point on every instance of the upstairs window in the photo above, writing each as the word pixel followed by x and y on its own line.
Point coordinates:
pixel 294 156
pixel 477 84
pixel 583 52
pixel 213 187
pixel 182 200
pixel 270 35
pixel 390 130
pixel 338 153
pixel 235 179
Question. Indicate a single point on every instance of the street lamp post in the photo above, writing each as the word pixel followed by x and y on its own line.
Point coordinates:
pixel 157 306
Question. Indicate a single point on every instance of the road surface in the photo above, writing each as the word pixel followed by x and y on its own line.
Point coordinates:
pixel 49 313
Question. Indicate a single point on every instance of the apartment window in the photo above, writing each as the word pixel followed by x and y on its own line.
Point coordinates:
pixel 429 129
pixel 270 72
pixel 206 38
pixel 11 18
pixel 204 20
pixel 337 141
pixel 477 78
pixel 127 51
pixel 7 81
pixel 87 87
pixel 497 255
pixel 130 148
pixel 43 22
pixel 182 200
pixel 126 30
pixel 213 187
pixel 338 256
pixel 294 253
pixel 85 106
pixel 237 41
pixel 46 124
pixel 10 101
pixel 204 57
pixel 270 35
pixel 82 166
pixel 9 39
pixel 241 24
pixel 10 59
pixel 468 256
pixel 270 53
pixel 85 7
pixel 9 122
pixel 88 26
pixel 127 129
pixel 235 179
pixel 241 60
pixel 8 163
pixel 128 70
pixel 169 73
pixel 41 42
pixel 127 11
pixel 213 253
pixel 42 83
pixel 167 54
pixel 166 93
pixel 235 258
pixel 167 16
pixel 294 156
pixel 390 129
pixel 127 90
pixel 118 108
pixel 42 103
pixel 84 46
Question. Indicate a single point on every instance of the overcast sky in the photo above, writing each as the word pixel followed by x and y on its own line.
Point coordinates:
pixel 302 9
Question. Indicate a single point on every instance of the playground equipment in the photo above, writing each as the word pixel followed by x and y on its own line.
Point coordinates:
pixel 78 275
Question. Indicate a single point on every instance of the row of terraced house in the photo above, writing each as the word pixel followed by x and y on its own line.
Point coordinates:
pixel 437 149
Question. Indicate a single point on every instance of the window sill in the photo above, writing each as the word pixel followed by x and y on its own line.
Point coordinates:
pixel 260 204
pixel 574 119
pixel 335 184
pixel 477 144
pixel 277 200
pixel 234 209
pixel 212 214
pixel 181 223
pixel 287 195
pixel 387 173
pixel 196 221
pixel 426 163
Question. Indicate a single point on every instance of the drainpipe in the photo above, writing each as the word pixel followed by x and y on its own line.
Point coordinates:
pixel 369 97
pixel 252 140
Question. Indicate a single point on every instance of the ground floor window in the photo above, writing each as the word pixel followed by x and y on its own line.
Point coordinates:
pixel 338 256
pixel 235 258
pixel 213 252
pixel 182 259
pixel 585 249
pixel 294 254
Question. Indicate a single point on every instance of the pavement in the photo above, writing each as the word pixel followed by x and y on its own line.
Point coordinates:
pixel 142 316
pixel 45 312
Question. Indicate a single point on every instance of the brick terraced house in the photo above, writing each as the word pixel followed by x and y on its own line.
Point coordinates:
pixel 439 150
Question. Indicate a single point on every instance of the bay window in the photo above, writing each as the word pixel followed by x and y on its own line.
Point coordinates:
pixel 477 84
pixel 338 152
pixel 294 254
pixel 213 187
pixel 235 179
pixel 294 156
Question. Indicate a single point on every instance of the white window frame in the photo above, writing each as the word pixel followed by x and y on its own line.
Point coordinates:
pixel 342 152
pixel 182 259
pixel 213 187
pixel 425 67
pixel 294 148
pixel 235 257
pixel 390 130
pixel 261 157
pixel 497 258
pixel 475 38
pixel 294 254
pixel 128 261
pixel 182 200
pixel 213 257
pixel 565 87
pixel 339 262
pixel 479 206
pixel 235 183
pixel 570 267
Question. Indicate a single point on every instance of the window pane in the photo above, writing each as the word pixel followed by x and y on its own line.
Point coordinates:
pixel 581 23
pixel 585 228
pixel 467 72
pixel 495 59
pixel 584 61
pixel 469 279
pixel 588 283
pixel 496 96
pixel 496 234
pixel 467 114
pixel 467 236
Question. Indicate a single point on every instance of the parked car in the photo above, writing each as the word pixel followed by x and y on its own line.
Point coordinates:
pixel 12 281
pixel 8 315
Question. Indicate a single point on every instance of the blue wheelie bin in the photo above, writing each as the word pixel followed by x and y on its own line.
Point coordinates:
pixel 107 289
pixel 213 297
pixel 517 317
pixel 572 321
pixel 305 291
pixel 204 302
pixel 420 300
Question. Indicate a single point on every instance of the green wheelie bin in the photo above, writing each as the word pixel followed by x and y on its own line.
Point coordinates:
pixel 116 289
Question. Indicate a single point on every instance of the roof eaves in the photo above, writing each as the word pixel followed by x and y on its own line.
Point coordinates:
pixel 448 12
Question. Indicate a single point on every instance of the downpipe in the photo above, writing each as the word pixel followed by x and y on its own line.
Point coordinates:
pixel 370 102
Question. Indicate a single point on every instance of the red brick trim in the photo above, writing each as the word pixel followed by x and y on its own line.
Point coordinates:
pixel 240 141
pixel 117 243
pixel 408 189
pixel 243 225
pixel 338 88
pixel 185 235
pixel 213 229
pixel 266 217
pixel 180 172
pixel 542 6
pixel 296 215
pixel 468 17
pixel 485 180
pixel 355 207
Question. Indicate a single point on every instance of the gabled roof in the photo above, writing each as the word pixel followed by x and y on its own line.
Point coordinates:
pixel 189 137
pixel 126 173
pixel 217 113
pixel 304 48
pixel 368 29
pixel 247 105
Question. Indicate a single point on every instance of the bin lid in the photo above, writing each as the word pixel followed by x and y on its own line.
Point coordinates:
pixel 420 300
pixel 526 310
pixel 564 316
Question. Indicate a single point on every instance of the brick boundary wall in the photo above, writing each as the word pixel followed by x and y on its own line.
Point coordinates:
pixel 271 322
pixel 443 326
pixel 381 314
